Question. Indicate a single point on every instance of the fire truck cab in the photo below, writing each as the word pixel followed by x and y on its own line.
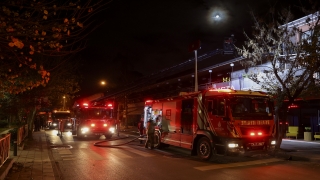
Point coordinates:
pixel 215 121
pixel 94 120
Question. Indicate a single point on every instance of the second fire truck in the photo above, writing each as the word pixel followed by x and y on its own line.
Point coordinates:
pixel 215 121
pixel 94 120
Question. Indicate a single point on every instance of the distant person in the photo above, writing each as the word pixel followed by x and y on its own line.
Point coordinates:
pixel 43 122
pixel 37 123
pixel 141 128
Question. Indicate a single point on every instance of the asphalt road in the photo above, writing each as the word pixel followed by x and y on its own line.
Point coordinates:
pixel 121 160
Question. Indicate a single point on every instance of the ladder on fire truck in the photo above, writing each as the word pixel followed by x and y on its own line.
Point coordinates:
pixel 203 116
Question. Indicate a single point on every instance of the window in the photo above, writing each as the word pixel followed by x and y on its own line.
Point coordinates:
pixel 216 106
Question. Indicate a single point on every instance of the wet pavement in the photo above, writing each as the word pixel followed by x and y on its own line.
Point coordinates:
pixel 33 160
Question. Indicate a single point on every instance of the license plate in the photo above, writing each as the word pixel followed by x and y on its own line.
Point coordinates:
pixel 257 144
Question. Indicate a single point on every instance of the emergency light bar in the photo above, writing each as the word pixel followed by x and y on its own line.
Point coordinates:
pixel 148 101
pixel 222 90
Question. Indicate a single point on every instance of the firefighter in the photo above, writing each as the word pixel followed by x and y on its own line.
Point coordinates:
pixel 150 134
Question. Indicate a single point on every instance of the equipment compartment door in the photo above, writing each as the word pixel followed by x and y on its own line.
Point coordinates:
pixel 187 111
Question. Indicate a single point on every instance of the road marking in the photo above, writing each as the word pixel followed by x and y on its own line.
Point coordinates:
pixel 68 158
pixel 64 151
pixel 92 154
pixel 141 153
pixel 120 154
pixel 239 164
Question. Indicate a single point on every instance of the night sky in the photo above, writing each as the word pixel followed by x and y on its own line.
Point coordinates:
pixel 139 37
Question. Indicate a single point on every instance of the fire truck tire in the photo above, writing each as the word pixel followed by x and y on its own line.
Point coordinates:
pixel 157 140
pixel 204 149
pixel 108 136
pixel 79 135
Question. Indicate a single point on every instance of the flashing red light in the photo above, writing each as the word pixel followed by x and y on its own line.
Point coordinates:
pixel 292 106
pixel 85 104
pixel 110 105
pixel 280 123
pixel 105 125
pixel 286 122
pixel 256 133
pixel 148 101
pixel 93 125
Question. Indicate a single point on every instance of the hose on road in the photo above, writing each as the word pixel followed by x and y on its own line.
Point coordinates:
pixel 102 143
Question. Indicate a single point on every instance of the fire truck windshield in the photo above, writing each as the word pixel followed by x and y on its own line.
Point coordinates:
pixel 250 107
pixel 61 115
pixel 96 113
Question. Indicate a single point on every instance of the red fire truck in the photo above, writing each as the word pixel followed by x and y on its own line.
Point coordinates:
pixel 215 121
pixel 94 120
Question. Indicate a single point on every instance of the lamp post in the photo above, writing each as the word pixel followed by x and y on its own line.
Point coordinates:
pixel 210 71
pixel 64 102
pixel 231 73
pixel 194 47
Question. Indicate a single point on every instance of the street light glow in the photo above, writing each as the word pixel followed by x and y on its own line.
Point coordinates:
pixel 103 83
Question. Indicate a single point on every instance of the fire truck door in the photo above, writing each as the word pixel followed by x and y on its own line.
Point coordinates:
pixel 186 123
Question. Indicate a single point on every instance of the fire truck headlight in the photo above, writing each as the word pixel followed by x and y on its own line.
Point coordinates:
pixel 273 142
pixel 84 130
pixel 233 145
pixel 112 129
pixel 69 124
pixel 54 124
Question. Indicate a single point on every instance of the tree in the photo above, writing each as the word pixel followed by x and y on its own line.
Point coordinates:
pixel 291 66
pixel 32 28
pixel 64 82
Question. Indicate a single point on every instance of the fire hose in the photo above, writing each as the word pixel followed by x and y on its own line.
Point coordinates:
pixel 100 143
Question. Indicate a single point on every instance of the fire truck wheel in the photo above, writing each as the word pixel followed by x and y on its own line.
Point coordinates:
pixel 157 140
pixel 204 149
pixel 108 136
pixel 79 135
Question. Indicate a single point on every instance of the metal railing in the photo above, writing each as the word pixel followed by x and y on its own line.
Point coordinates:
pixel 4 148
pixel 22 134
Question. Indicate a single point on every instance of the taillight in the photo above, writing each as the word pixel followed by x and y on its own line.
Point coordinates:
pixel 93 125
pixel 258 133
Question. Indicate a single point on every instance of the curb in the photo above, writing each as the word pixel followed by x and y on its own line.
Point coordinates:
pixel 5 168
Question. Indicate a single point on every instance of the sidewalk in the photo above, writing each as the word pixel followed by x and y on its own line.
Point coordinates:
pixel 300 150
pixel 33 162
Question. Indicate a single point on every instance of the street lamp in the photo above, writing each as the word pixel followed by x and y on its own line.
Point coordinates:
pixel 210 71
pixel 64 102
pixel 231 72
pixel 103 83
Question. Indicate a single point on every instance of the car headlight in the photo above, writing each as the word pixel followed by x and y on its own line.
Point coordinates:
pixel 84 130
pixel 273 142
pixel 232 145
pixel 112 129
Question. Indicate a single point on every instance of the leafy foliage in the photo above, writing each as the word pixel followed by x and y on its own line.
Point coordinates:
pixel 33 28
pixel 285 62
